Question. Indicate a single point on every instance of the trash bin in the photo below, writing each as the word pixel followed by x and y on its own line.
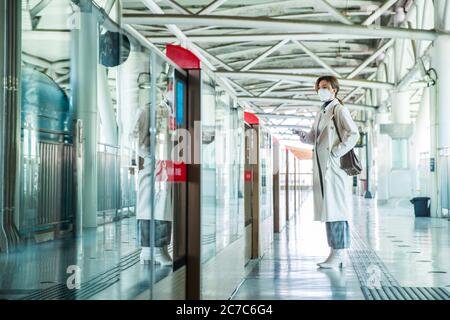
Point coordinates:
pixel 421 206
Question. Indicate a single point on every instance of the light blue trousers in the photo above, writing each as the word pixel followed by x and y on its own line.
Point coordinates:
pixel 338 234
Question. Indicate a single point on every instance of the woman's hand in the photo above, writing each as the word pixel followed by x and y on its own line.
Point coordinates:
pixel 305 137
pixel 301 133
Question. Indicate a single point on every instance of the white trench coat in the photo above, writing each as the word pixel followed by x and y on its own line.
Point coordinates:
pixel 335 202
pixel 162 188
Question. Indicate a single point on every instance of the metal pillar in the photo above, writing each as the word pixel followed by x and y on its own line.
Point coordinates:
pixel 194 172
pixel 276 187
pixel 286 152
pixel 10 56
pixel 383 157
pixel 400 107
pixel 84 59
pixel 368 194
pixel 439 116
pixel 3 238
pixel 421 139
pixel 401 179
pixel 442 66
pixel 106 110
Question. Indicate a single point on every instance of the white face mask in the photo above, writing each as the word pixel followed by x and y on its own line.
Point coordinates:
pixel 325 94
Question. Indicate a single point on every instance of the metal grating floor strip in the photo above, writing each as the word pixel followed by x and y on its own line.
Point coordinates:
pixel 406 293
pixel 90 287
pixel 364 260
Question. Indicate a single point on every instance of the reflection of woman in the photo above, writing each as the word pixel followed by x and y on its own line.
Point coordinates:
pixel 163 212
pixel 331 185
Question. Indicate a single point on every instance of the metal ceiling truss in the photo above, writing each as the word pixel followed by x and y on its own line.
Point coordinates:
pixel 269 54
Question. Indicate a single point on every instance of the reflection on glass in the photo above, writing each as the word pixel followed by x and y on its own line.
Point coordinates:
pixel 208 166
pixel 222 198
pixel 118 124
pixel 282 196
pixel 266 204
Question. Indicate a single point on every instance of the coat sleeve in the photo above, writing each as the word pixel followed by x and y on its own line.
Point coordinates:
pixel 308 137
pixel 348 131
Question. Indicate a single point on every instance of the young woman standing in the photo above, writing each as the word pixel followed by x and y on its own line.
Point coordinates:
pixel 331 185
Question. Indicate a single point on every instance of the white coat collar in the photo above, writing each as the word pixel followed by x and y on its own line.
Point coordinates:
pixel 326 117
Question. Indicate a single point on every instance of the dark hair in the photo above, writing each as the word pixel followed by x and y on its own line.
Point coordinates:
pixel 333 81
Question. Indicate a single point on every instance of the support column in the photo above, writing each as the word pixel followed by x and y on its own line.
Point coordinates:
pixel 3 241
pixel 369 150
pixel 400 107
pixel 287 184
pixel 422 152
pixel 194 178
pixel 106 110
pixel 400 130
pixel 442 67
pixel 276 187
pixel 383 157
pixel 84 60
pixel 10 56
pixel 440 122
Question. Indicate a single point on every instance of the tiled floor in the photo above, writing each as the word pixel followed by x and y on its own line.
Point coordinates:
pixel 39 266
pixel 411 249
pixel 416 251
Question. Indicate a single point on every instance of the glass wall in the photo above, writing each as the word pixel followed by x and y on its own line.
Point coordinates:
pixel 265 169
pixel 266 189
pixel 283 185
pixel 292 177
pixel 97 176
pixel 208 169
pixel 222 205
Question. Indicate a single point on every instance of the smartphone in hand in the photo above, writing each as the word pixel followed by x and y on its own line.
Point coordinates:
pixel 299 132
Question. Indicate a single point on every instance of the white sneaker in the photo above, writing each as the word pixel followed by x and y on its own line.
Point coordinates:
pixel 162 256
pixel 327 259
pixel 335 260
pixel 145 256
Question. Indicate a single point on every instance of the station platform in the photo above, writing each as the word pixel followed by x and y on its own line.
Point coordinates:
pixel 409 256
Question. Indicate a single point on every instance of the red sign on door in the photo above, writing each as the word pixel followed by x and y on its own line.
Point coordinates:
pixel 172 125
pixel 248 175
pixel 170 171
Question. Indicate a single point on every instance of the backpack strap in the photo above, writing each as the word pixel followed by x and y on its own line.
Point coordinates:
pixel 335 125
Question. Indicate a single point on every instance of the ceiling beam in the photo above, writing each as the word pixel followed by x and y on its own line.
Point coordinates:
pixel 109 5
pixel 375 55
pixel 308 102
pixel 335 13
pixel 377 13
pixel 147 44
pixel 227 38
pixel 265 54
pixel 284 116
pixel 280 25
pixel 199 52
pixel 153 7
pixel 212 6
pixel 317 58
pixel 313 70
pixel 176 6
pixel 418 69
pixel 286 126
pixel 354 91
pixel 302 78
pixel 271 88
